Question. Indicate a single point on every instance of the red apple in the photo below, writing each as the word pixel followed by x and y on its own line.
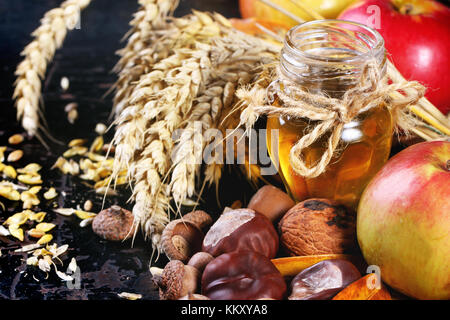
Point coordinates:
pixel 417 36
pixel 403 223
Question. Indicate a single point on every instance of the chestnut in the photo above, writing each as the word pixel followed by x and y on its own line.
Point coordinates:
pixel 271 202
pixel 323 280
pixel 200 260
pixel 241 229
pixel 242 275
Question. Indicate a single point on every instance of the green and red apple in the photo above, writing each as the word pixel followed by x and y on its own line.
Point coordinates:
pixel 403 223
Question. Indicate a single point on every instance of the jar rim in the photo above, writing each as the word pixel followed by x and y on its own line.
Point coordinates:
pixel 374 51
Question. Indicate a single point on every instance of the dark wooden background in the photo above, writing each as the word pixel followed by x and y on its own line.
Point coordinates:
pixel 86 59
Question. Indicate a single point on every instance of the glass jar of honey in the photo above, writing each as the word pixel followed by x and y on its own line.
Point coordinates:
pixel 328 57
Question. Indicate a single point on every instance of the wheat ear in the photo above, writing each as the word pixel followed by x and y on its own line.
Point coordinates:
pixel 38 54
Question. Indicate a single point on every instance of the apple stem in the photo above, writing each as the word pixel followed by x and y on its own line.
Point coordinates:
pixel 447 165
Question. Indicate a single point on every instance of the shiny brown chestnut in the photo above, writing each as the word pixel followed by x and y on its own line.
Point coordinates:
pixel 242 275
pixel 241 229
pixel 323 280
pixel 271 202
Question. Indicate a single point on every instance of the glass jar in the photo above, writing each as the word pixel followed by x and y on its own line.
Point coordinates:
pixel 328 56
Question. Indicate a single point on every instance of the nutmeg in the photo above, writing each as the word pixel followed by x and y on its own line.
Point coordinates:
pixel 317 226
pixel 114 224
pixel 177 280
pixel 271 202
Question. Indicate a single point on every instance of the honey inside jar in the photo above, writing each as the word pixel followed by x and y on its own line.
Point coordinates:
pixel 365 142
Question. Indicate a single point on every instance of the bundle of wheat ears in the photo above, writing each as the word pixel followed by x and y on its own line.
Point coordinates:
pixel 173 73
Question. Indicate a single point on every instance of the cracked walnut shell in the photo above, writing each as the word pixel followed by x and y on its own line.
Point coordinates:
pixel 317 226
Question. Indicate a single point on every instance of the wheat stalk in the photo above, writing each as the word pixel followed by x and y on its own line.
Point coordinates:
pixel 235 59
pixel 149 41
pixel 38 54
pixel 158 106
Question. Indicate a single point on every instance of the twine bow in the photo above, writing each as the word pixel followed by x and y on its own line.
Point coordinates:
pixel 330 114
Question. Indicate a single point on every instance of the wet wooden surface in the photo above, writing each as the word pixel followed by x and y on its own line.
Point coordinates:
pixel 86 59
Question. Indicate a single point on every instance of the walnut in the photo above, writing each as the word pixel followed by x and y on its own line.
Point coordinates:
pixel 317 226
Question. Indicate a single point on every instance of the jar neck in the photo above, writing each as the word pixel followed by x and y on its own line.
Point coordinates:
pixel 329 56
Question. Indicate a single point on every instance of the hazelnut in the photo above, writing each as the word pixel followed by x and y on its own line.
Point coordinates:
pixel 242 275
pixel 181 239
pixel 271 202
pixel 200 218
pixel 200 260
pixel 241 229
pixel 317 226
pixel 114 224
pixel 177 280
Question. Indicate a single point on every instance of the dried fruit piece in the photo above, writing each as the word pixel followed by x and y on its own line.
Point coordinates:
pixel 291 266
pixel 35 190
pixel 38 217
pixel 45 239
pixel 97 144
pixel 363 289
pixel 31 168
pixel 130 296
pixel 30 179
pixel 75 151
pixel 14 156
pixel 15 139
pixel 16 232
pixel 65 211
pixel 35 233
pixel 45 226
pixel 84 214
pixel 9 193
pixel 17 219
pixel 10 172
pixel 50 194
pixel 2 154
pixel 77 142
pixel 95 157
pixel 29 199
pixel 106 191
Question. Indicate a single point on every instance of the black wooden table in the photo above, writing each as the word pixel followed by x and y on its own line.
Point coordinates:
pixel 86 59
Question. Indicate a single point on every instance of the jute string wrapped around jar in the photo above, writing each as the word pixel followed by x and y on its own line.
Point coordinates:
pixel 329 114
